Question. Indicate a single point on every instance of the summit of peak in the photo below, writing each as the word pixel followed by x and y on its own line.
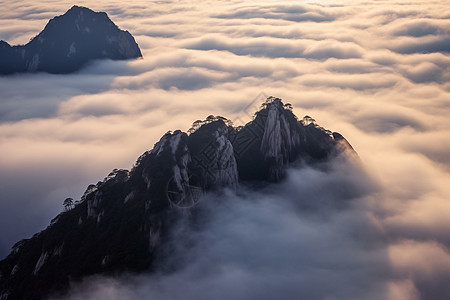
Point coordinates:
pixel 77 8
pixel 274 101
pixel 68 43
pixel 83 14
pixel 165 182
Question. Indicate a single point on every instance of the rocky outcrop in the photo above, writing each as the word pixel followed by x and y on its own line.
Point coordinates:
pixel 68 43
pixel 120 223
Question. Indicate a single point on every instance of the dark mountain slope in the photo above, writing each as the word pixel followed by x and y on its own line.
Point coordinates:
pixel 68 42
pixel 121 222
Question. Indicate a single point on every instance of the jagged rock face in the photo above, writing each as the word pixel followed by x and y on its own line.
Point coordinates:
pixel 120 223
pixel 69 42
pixel 165 171
pixel 266 146
pixel 214 163
pixel 279 141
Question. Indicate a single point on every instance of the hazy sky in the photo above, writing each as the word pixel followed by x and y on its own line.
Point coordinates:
pixel 378 72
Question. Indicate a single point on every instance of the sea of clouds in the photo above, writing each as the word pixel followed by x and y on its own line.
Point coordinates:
pixel 375 71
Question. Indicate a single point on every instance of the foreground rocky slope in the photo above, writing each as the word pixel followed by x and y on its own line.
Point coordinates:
pixel 121 223
pixel 67 43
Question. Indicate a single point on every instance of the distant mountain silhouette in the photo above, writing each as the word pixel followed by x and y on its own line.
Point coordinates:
pixel 67 43
pixel 121 223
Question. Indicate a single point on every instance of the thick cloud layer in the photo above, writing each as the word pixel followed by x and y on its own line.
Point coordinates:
pixel 314 236
pixel 377 72
pixel 310 237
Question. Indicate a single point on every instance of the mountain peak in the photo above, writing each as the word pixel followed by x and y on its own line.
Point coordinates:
pixel 78 11
pixel 68 43
pixel 121 222
pixel 77 8
pixel 274 101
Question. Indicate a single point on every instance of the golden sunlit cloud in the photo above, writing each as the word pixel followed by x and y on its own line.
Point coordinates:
pixel 378 72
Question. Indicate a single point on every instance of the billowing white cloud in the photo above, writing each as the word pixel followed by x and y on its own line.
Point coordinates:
pixel 376 72
pixel 273 47
pixel 295 13
pixel 418 28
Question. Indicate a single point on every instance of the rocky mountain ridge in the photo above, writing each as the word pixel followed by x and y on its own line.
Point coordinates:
pixel 68 43
pixel 121 223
